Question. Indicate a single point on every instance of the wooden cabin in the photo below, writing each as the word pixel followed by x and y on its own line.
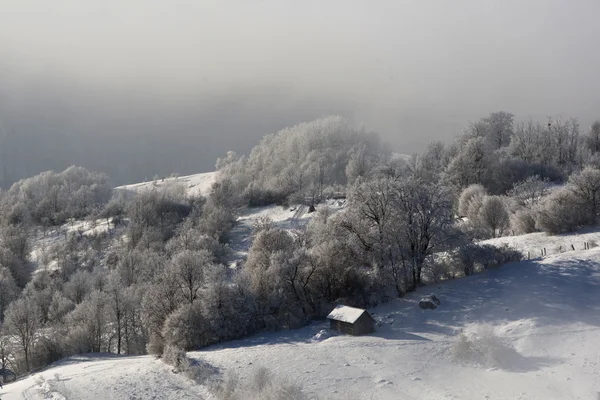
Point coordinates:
pixel 350 320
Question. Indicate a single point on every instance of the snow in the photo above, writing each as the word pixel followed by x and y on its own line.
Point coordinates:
pixel 534 243
pixel 42 242
pixel 544 315
pixel 345 314
pixel 542 318
pixel 290 218
pixel 194 184
pixel 100 377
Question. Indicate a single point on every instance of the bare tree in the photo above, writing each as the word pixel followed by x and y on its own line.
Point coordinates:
pixel 117 307
pixel 372 202
pixel 493 215
pixel 586 185
pixel 470 165
pixel 22 322
pixel 425 222
pixel 529 192
pixel 8 290
pixel 188 268
pixel 561 212
pixel 592 140
pixel 498 127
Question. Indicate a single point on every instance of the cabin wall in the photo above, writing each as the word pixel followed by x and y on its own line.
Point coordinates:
pixel 343 327
pixel 365 324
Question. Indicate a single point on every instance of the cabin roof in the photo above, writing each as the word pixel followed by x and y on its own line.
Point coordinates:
pixel 346 314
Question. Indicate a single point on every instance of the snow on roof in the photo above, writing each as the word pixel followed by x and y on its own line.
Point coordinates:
pixel 346 314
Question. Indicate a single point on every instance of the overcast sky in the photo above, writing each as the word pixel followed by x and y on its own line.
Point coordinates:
pixel 224 73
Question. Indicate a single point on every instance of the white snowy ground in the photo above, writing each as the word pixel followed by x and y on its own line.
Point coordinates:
pixel 546 313
pixel 534 243
pixel 103 377
pixel 289 218
pixel 194 184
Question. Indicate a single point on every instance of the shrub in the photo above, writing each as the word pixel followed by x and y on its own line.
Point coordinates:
pixel 482 347
pixel 262 385
pixel 467 196
pixel 523 221
pixel 185 328
pixel 195 370
pixel 560 212
pixel 474 258
pixel 493 215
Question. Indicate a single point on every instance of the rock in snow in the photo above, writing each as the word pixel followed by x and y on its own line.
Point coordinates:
pixel 429 302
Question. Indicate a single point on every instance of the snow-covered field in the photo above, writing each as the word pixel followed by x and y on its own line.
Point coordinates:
pixel 103 377
pixel 545 314
pixel 533 244
pixel 194 184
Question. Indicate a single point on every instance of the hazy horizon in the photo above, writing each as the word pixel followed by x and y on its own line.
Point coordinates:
pixel 140 88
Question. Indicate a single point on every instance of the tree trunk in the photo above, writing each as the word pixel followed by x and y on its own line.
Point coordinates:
pixel 26 349
pixel 118 334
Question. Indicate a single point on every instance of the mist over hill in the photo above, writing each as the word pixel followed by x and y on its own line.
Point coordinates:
pixel 155 88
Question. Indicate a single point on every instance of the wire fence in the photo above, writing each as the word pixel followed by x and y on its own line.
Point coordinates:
pixel 543 252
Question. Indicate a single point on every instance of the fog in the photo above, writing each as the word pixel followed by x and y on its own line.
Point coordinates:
pixel 143 87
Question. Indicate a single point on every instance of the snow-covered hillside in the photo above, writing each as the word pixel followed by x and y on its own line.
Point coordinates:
pixel 103 377
pixel 195 184
pixel 545 314
pixel 531 332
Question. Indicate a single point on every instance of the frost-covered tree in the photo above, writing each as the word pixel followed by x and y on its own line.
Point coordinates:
pixel 586 186
pixel 88 324
pixel 433 161
pixel 592 140
pixel 55 197
pixel 556 144
pixel 560 212
pixel 400 222
pixel 523 221
pixel 470 194
pixel 493 215
pixel 60 306
pixel 424 223
pixel 156 213
pixel 185 328
pixel 78 286
pixel 529 192
pixel 160 300
pixel 22 322
pixel 188 268
pixel 371 202
pixel 301 161
pixel 496 129
pixel 8 290
pixel 470 165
